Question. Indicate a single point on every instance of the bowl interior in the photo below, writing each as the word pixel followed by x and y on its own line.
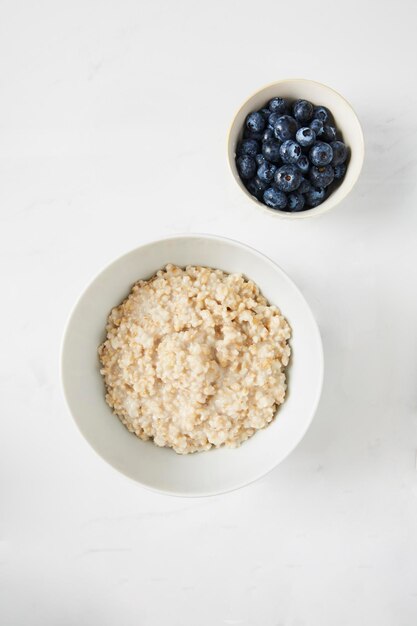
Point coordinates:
pixel 345 119
pixel 162 469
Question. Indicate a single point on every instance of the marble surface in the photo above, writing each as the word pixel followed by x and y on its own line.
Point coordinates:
pixel 113 119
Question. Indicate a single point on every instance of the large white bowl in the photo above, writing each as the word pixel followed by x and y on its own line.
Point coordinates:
pixel 161 469
pixel 345 119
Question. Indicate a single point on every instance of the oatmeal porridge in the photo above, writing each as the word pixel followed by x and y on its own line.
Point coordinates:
pixel 195 358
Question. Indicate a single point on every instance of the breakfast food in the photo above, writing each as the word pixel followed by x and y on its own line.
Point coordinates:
pixel 195 358
pixel 291 156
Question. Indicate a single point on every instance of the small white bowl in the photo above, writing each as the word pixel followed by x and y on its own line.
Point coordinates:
pixel 345 119
pixel 161 469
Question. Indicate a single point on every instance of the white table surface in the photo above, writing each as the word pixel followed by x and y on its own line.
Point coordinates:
pixel 113 118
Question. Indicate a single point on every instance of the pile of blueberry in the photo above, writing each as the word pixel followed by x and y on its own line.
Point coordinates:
pixel 291 156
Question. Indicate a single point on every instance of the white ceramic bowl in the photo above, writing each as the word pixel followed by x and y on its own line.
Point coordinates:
pixel 161 469
pixel 346 121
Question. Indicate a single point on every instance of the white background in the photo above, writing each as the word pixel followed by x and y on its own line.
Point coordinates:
pixel 113 123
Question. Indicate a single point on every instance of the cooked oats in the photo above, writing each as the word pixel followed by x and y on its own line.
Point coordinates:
pixel 195 358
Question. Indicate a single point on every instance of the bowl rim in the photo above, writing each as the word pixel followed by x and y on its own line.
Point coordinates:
pixel 327 205
pixel 320 365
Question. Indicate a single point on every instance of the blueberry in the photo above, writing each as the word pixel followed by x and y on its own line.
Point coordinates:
pixel 295 201
pixel 285 127
pixel 249 147
pixel 303 110
pixel 246 166
pixel 305 186
pixel 317 126
pixel 265 112
pixel 272 119
pixel 270 150
pixel 321 153
pixel 315 197
pixel 288 178
pixel 305 136
pixel 256 187
pixel 339 152
pixel 322 176
pixel 268 134
pixel 255 122
pixel 260 159
pixel 278 105
pixel 329 133
pixel 275 199
pixel 339 171
pixel 303 163
pixel 266 172
pixel 290 151
pixel 322 114
pixel 250 134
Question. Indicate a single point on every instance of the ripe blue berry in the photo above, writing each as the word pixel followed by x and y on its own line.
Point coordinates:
pixel 317 126
pixel 295 202
pixel 246 166
pixel 322 114
pixel 290 151
pixel 339 152
pixel 250 134
pixel 275 199
pixel 285 127
pixel 303 110
pixel 268 134
pixel 249 147
pixel 322 176
pixel 260 159
pixel 321 153
pixel 266 172
pixel 315 197
pixel 339 171
pixel 303 164
pixel 305 136
pixel 272 120
pixel 256 187
pixel 255 122
pixel 288 178
pixel 329 133
pixel 270 150
pixel 278 105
